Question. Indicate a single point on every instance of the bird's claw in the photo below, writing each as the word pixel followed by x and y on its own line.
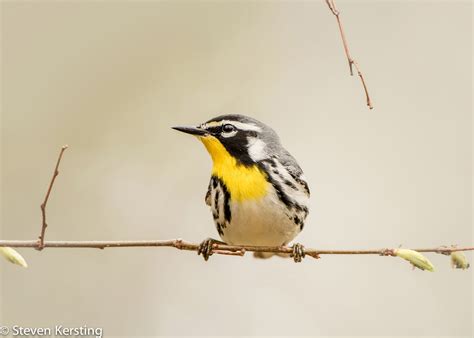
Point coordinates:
pixel 206 248
pixel 298 252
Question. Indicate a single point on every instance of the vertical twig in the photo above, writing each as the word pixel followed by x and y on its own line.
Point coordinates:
pixel 44 224
pixel 332 6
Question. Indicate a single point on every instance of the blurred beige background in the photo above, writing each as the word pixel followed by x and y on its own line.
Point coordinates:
pixel 110 78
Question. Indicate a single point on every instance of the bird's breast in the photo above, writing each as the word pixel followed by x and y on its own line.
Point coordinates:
pixel 243 182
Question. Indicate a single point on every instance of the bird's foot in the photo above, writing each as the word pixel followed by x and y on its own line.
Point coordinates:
pixel 298 252
pixel 205 248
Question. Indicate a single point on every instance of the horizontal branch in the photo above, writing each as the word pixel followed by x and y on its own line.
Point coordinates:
pixel 222 249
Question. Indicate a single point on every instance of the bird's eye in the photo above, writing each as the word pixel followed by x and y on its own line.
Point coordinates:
pixel 228 128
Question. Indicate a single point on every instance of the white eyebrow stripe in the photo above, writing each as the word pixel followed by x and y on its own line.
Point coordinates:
pixel 244 126
pixel 238 125
pixel 211 124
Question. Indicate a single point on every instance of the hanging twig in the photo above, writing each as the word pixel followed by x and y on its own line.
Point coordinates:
pixel 332 6
pixel 44 224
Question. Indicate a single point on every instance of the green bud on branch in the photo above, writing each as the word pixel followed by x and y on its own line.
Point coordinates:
pixel 459 260
pixel 13 256
pixel 415 258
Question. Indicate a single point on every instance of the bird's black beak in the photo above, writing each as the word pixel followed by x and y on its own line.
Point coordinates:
pixel 191 130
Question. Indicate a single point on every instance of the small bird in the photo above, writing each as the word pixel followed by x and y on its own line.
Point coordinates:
pixel 258 194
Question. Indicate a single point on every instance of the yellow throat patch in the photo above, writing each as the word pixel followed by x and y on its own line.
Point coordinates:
pixel 243 182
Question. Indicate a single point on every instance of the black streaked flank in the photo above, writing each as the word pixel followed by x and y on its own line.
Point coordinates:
pixel 220 190
pixel 207 199
pixel 289 183
pixel 286 181
pixel 227 212
pixel 298 221
pixel 216 203
pixel 302 182
pixel 220 228
pixel 290 203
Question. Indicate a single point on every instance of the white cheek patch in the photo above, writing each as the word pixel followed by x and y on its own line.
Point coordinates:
pixel 256 149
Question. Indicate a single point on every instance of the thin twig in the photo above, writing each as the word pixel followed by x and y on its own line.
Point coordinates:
pixel 332 6
pixel 44 224
pixel 222 249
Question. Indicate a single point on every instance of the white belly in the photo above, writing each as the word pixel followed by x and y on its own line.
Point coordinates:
pixel 265 221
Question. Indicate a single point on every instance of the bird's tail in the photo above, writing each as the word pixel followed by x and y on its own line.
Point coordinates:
pixel 266 255
pixel 263 255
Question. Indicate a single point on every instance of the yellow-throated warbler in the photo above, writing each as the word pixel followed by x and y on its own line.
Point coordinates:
pixel 258 194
